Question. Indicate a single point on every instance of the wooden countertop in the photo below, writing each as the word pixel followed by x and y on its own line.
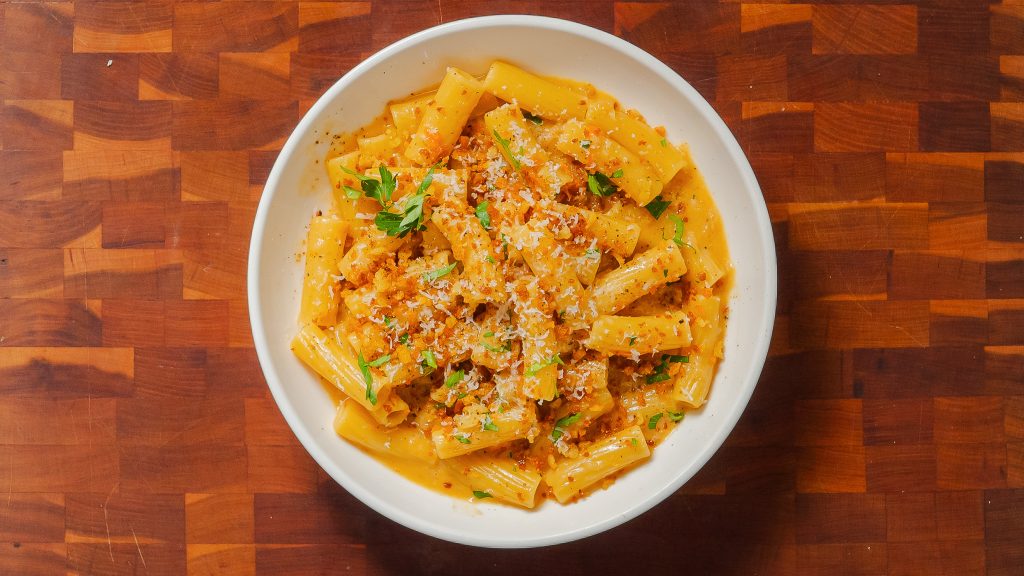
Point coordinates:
pixel 137 435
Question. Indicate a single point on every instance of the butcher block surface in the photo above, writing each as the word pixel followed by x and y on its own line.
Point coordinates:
pixel 137 435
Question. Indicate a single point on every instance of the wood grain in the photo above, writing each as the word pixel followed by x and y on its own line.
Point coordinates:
pixel 137 435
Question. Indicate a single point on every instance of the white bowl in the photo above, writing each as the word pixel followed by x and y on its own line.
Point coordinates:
pixel 297 186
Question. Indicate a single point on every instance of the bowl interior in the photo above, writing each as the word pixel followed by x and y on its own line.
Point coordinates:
pixel 297 187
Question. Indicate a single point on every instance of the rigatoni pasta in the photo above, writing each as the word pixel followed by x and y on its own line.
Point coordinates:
pixel 518 284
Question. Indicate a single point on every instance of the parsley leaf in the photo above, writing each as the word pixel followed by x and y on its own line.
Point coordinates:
pixel 379 361
pixel 481 494
pixel 564 423
pixel 584 144
pixel 601 185
pixel 454 378
pixel 483 215
pixel 533 117
pixel 489 424
pixel 462 438
pixel 676 416
pixel 368 378
pixel 380 190
pixel 664 143
pixel 617 173
pixel 440 272
pixel 508 152
pixel 351 193
pixel 490 259
pixel 676 358
pixel 632 340
pixel 538 366
pixel 678 237
pixel 404 338
pixel 653 422
pixel 657 206
pixel 411 217
pixel 428 362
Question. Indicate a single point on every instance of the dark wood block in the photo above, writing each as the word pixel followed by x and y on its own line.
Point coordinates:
pixel 975 467
pixel 128 125
pixel 945 28
pixel 178 468
pixel 212 125
pixel 851 29
pixel 31 272
pixel 33 518
pixel 178 76
pixel 887 374
pixel 45 322
pixel 255 27
pixel 935 275
pixel 30 75
pixel 908 468
pixel 846 559
pixel 36 124
pixel 126 517
pixel 898 421
pixel 344 28
pixel 326 519
pixel 99 77
pixel 38 27
pixel 954 126
pixel 935 177
pixel 842 127
pixel 840 518
pixel 1004 181
pixel 1004 279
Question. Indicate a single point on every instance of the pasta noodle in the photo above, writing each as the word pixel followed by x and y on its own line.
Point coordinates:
pixel 519 285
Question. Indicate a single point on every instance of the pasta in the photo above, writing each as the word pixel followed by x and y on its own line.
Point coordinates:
pixel 519 286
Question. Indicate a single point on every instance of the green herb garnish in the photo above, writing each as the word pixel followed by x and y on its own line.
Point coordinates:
pixel 601 185
pixel 371 396
pixel 454 378
pixel 664 142
pixel 483 215
pixel 653 422
pixel 584 144
pixel 617 173
pixel 676 416
pixel 440 272
pixel 379 190
pixel 480 494
pixel 562 423
pixel 533 117
pixel 632 340
pixel 508 152
pixel 428 362
pixel 462 438
pixel 404 338
pixel 489 424
pixel 657 206
pixel 490 259
pixel 678 237
pixel 538 366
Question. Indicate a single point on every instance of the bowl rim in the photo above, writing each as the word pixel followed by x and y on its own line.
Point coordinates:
pixel 736 156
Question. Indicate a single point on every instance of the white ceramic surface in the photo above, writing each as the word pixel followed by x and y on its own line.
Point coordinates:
pixel 297 186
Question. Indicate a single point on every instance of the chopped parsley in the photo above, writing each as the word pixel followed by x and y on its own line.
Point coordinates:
pixel 379 190
pixel 440 272
pixel 653 422
pixel 462 438
pixel 678 237
pixel 481 494
pixel 489 424
pixel 657 206
pixel 592 254
pixel 664 143
pixel 677 416
pixel 483 215
pixel 601 185
pixel 660 373
pixel 429 361
pixel 389 321
pixel 490 259
pixel 617 173
pixel 584 144
pixel 364 367
pixel 404 338
pixel 533 117
pixel 562 423
pixel 508 151
pixel 632 340
pixel 454 378
pixel 538 366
